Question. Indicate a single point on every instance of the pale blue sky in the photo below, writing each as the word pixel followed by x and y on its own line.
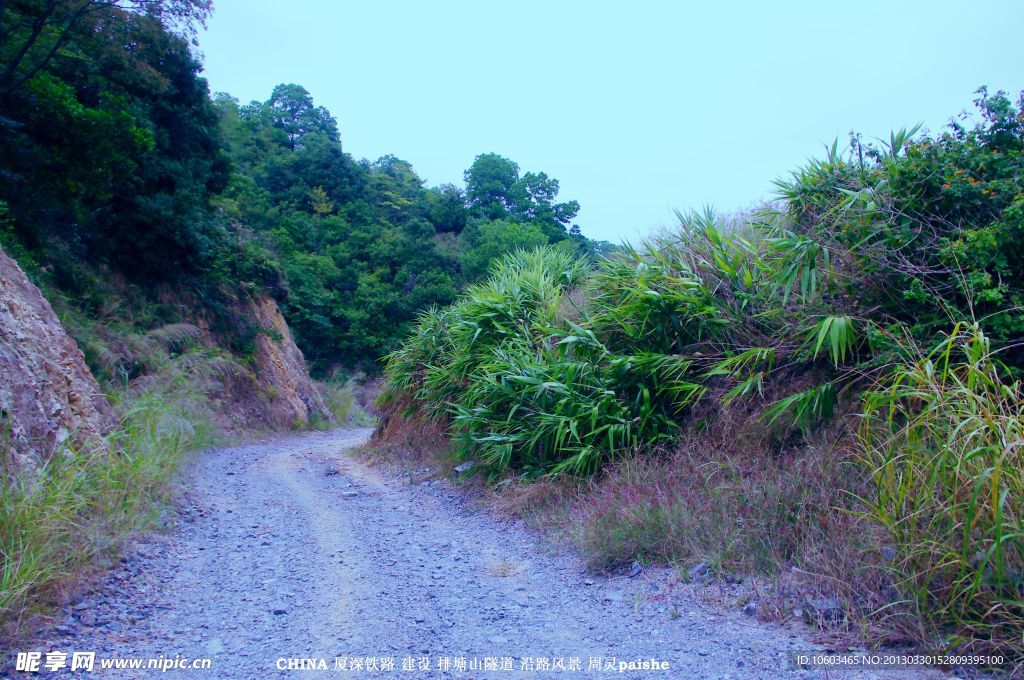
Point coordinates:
pixel 636 107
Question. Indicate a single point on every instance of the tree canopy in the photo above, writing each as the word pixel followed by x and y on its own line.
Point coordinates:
pixel 364 246
pixel 495 191
pixel 115 158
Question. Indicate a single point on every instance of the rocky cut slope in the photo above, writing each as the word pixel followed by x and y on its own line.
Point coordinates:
pixel 48 396
pixel 275 392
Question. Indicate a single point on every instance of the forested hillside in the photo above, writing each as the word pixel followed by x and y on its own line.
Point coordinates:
pixel 356 248
pixel 121 174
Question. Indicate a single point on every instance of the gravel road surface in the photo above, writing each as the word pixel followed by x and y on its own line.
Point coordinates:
pixel 292 549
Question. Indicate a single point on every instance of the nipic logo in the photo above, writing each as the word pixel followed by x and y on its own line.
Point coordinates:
pixel 32 662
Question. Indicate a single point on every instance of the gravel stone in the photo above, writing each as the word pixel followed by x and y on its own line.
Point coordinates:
pixel 368 564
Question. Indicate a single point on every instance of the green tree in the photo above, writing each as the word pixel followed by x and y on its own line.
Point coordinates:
pixel 494 190
pixel 483 242
pixel 396 190
pixel 34 32
pixel 534 201
pixel 291 110
pixel 490 184
pixel 111 146
pixel 288 146
pixel 447 208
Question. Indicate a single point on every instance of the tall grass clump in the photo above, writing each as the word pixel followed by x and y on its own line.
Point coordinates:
pixel 944 445
pixel 78 506
pixel 342 397
pixel 522 385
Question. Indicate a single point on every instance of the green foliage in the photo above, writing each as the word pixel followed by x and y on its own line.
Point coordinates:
pixel 930 228
pixel 490 185
pixel 486 241
pixel 524 385
pixel 524 297
pixel 495 191
pixel 113 158
pixel 113 152
pixel 802 262
pixel 806 408
pixel 364 247
pixel 35 32
pixel 837 335
pixel 447 208
pixel 943 448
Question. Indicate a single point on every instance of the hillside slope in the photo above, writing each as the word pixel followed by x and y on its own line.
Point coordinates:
pixel 48 396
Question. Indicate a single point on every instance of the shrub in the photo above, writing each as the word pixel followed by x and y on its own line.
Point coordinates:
pixel 930 230
pixel 943 439
pixel 525 387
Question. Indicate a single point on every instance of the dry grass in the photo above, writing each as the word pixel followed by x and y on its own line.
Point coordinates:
pixel 504 569
pixel 76 512
pixel 699 497
pixel 411 437
pixel 544 504
pixel 727 498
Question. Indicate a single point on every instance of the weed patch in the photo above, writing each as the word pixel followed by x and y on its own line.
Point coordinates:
pixel 76 509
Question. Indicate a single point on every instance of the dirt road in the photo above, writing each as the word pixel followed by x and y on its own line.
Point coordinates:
pixel 289 552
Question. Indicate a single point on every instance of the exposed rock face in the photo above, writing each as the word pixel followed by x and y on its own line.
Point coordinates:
pixel 47 394
pixel 273 390
pixel 281 370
